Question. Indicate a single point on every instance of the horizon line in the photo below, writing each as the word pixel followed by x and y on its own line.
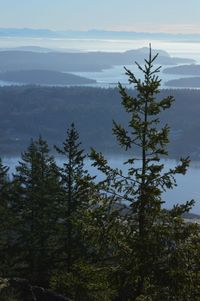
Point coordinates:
pixel 102 30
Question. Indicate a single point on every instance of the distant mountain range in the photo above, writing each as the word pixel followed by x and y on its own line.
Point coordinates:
pixel 96 34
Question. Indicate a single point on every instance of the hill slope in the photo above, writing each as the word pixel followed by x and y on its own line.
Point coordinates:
pixel 44 77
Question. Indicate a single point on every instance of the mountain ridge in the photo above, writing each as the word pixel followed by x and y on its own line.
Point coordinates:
pixel 94 33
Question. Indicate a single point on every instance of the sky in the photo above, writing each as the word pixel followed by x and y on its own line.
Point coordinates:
pixel 176 16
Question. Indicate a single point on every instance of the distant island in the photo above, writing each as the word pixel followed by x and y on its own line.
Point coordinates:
pixel 12 60
pixel 192 69
pixel 44 77
pixel 187 82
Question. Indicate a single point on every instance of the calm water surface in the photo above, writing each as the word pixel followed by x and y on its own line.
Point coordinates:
pixel 188 185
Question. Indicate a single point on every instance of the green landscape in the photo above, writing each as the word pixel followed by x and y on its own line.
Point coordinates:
pixel 112 239
pixel 99 150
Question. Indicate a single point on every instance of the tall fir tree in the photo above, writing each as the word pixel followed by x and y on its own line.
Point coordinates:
pixel 75 273
pixel 144 247
pixel 76 188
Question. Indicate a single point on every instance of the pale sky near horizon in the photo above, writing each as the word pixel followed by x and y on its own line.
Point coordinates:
pixel 130 15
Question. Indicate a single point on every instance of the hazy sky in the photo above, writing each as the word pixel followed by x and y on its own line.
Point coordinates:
pixel 137 15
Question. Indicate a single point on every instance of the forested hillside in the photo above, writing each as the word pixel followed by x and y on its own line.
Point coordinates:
pixel 26 112
pixel 44 77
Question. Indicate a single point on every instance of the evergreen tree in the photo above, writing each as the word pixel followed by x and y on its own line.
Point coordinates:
pixel 76 188
pixel 6 222
pixel 36 203
pixel 75 274
pixel 145 245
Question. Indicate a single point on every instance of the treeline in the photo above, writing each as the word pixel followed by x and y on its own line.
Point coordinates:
pixel 43 209
pixel 59 230
pixel 32 111
pixel 108 239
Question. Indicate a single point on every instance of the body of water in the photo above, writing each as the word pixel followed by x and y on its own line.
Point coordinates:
pixel 111 77
pixel 188 186
pixel 108 77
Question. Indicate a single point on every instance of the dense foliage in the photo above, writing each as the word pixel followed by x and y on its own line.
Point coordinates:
pixel 108 239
